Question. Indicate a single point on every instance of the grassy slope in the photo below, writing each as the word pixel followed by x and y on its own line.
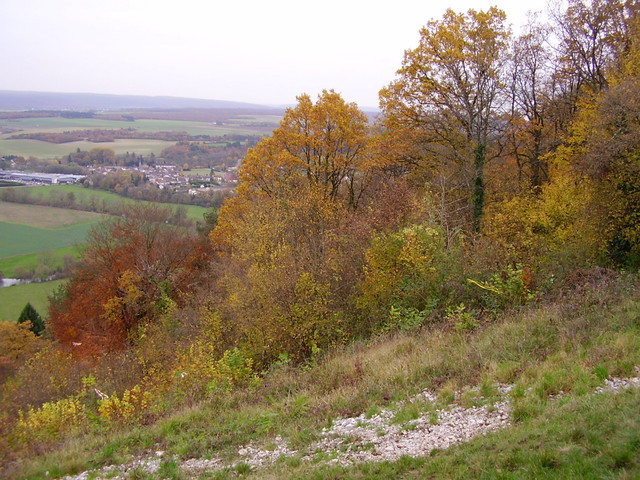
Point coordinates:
pixel 567 344
pixel 26 230
pixel 13 299
pixel 30 260
pixel 44 217
pixel 22 239
pixel 87 196
pixel 29 229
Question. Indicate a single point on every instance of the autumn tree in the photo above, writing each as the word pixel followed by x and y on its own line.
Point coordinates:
pixel 449 91
pixel 17 344
pixel 322 144
pixel 294 236
pixel 589 208
pixel 612 157
pixel 529 132
pixel 131 267
pixel 592 36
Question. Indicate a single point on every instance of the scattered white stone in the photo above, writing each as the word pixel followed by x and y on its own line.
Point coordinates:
pixel 362 439
pixel 376 439
pixel 618 384
pixel 257 457
pixel 198 466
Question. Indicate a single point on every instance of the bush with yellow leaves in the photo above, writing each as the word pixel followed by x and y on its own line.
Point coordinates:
pixel 199 371
pixel 131 406
pixel 404 269
pixel 51 421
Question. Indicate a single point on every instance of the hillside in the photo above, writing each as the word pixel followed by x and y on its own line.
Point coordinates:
pixel 452 292
pixel 17 101
pixel 523 396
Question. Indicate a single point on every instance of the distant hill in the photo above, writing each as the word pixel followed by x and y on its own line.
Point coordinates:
pixel 19 101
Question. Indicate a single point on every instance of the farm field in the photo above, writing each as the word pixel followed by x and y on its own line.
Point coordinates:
pixel 28 230
pixel 44 217
pixel 59 124
pixel 91 197
pixel 197 171
pixel 30 261
pixel 16 239
pixel 39 149
pixel 13 299
pixel 241 125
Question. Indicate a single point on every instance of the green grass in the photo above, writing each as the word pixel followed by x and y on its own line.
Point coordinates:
pixel 91 197
pixel 26 230
pixel 29 261
pixel 36 148
pixel 59 124
pixel 567 345
pixel 44 217
pixel 22 239
pixel 197 171
pixel 590 437
pixel 13 299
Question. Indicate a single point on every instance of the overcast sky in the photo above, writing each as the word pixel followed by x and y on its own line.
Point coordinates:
pixel 258 51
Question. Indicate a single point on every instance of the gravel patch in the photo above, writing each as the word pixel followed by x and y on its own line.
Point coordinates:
pixel 362 438
pixel 375 439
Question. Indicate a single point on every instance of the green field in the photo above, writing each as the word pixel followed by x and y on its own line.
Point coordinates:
pixel 36 148
pixel 90 197
pixel 59 124
pixel 197 171
pixel 44 217
pixel 13 299
pixel 249 125
pixel 30 261
pixel 22 239
pixel 26 230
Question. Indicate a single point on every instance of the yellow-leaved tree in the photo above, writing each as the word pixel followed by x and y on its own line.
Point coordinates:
pixel 449 92
pixel 324 145
pixel 293 238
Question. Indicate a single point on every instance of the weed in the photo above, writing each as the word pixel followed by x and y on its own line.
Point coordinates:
pixel 372 411
pixel 138 473
pixel 408 427
pixel 169 469
pixel 407 412
pixel 447 395
pixel 434 418
pixel 461 319
pixel 242 468
pixel 470 399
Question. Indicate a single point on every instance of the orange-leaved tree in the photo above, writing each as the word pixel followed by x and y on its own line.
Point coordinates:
pixel 131 267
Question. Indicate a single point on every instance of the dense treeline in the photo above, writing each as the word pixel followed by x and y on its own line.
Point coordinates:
pixel 99 203
pixel 218 155
pixel 499 167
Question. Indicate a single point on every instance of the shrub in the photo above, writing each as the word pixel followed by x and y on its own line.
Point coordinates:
pixel 404 270
pixel 508 288
pixel 129 407
pixel 51 420
pixel 460 318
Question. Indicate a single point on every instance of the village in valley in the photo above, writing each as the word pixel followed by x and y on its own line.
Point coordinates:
pixel 192 182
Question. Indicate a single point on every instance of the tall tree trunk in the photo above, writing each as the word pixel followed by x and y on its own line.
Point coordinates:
pixel 479 153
